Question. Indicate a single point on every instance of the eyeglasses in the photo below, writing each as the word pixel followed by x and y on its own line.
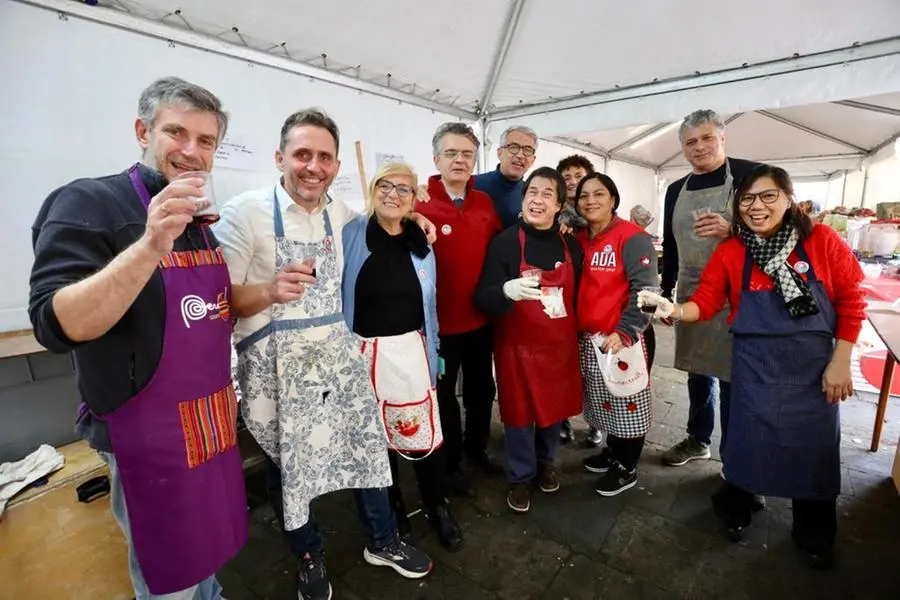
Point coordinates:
pixel 516 148
pixel 386 187
pixel 452 154
pixel 767 197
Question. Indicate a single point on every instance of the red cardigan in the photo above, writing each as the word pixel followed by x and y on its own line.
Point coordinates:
pixel 463 237
pixel 830 257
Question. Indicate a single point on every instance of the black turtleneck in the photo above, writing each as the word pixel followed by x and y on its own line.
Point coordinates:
pixel 543 249
pixel 388 294
pixel 79 229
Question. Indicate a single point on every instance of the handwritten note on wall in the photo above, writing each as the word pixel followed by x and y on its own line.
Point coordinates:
pixel 234 153
pixel 383 158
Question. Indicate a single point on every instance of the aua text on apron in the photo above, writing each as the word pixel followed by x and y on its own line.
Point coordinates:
pixel 783 436
pixel 175 441
pixel 307 395
pixel 705 347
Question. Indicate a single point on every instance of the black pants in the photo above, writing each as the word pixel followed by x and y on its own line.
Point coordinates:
pixel 472 352
pixel 815 520
pixel 626 451
pixel 650 340
pixel 430 477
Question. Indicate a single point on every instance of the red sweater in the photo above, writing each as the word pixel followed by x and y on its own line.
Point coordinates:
pixel 618 262
pixel 830 257
pixel 463 236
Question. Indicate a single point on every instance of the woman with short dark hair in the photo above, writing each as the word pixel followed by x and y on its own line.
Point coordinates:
pixel 794 291
pixel 529 285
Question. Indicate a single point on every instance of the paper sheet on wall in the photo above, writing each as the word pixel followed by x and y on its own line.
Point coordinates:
pixel 383 158
pixel 235 153
pixel 346 187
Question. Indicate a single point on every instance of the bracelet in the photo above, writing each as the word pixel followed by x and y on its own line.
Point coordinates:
pixel 680 313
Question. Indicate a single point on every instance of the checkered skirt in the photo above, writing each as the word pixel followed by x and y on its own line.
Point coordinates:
pixel 622 417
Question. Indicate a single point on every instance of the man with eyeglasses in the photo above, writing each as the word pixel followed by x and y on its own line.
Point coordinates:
pixel 505 184
pixel 466 222
pixel 697 218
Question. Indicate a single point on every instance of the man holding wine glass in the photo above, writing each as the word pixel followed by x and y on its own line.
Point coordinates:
pixel 132 282
pixel 307 395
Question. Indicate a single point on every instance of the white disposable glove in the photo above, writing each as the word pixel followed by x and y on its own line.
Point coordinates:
pixel 523 288
pixel 664 308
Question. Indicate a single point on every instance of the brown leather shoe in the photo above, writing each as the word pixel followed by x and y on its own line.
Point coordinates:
pixel 547 479
pixel 519 497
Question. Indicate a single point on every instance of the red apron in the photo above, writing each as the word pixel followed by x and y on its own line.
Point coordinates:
pixel 536 357
pixel 175 442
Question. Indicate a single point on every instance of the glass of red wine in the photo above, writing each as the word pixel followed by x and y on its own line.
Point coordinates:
pixel 649 309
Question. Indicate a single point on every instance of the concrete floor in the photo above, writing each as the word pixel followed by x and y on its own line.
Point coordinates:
pixel 658 540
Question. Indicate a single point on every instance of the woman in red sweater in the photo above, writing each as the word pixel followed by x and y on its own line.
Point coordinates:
pixel 619 261
pixel 796 310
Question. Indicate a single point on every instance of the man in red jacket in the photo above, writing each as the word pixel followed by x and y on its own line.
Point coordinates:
pixel 466 222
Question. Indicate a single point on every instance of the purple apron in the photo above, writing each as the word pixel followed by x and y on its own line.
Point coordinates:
pixel 175 442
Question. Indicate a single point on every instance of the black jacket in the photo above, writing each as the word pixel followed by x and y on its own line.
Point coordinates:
pixel 80 228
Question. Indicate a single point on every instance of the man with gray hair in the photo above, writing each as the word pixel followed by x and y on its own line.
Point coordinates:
pixel 466 222
pixel 505 184
pixel 115 260
pixel 698 217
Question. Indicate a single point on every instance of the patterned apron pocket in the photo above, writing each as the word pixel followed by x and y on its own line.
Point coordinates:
pixel 209 425
pixel 410 426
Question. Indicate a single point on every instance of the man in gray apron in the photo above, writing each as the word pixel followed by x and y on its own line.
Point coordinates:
pixel 697 218
pixel 307 396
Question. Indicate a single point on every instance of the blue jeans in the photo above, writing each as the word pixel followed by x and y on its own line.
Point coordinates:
pixel 702 416
pixel 373 506
pixel 527 448
pixel 208 589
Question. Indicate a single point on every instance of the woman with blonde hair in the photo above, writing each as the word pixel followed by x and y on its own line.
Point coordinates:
pixel 389 301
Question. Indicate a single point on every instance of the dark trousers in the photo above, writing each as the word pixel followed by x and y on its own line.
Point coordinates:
pixel 650 341
pixel 372 506
pixel 626 451
pixel 815 520
pixel 527 448
pixel 702 416
pixel 472 352
pixel 430 477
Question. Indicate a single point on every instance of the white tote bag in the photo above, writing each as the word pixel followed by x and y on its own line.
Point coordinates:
pixel 625 372
pixel 402 382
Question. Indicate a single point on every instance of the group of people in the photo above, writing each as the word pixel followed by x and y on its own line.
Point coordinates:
pixel 351 331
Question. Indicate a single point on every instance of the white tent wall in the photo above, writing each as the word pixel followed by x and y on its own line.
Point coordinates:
pixel 883 177
pixel 71 90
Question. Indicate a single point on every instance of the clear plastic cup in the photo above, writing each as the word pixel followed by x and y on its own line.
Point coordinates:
pixel 207 209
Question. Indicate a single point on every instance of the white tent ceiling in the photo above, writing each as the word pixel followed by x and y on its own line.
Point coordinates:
pixel 572 68
pixel 815 140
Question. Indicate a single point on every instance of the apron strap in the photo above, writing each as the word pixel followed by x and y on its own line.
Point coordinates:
pixel 279 223
pixel 748 266
pixel 139 186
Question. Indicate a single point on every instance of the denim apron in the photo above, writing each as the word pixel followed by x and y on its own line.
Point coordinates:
pixel 783 436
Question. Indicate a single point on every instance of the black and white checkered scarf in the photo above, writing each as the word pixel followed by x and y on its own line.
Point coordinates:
pixel 771 255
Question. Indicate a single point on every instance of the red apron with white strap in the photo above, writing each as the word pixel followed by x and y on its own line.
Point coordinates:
pixel 536 357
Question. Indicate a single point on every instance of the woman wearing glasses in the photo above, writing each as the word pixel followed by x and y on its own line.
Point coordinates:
pixel 796 310
pixel 389 301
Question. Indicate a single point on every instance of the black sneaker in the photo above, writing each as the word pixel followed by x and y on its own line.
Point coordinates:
pixel 404 558
pixel 593 439
pixel 566 433
pixel 615 481
pixel 313 580
pixel 599 463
